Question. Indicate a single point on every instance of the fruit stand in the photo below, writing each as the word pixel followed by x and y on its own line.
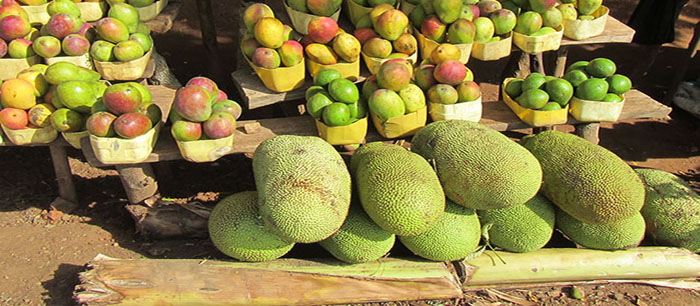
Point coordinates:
pixel 166 120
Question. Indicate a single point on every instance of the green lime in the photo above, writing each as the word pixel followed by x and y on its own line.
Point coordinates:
pixel 534 81
pixel 343 90
pixel 619 84
pixel 576 77
pixel 611 97
pixel 592 89
pixel 514 88
pixel 358 110
pixel 550 106
pixel 559 91
pixel 324 77
pixel 533 99
pixel 580 65
pixel 312 91
pixel 336 114
pixel 369 86
pixel 316 104
pixel 601 68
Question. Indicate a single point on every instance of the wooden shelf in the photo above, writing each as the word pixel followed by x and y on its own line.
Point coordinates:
pixel 165 20
pixel 615 32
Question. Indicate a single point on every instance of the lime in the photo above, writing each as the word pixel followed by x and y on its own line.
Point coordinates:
pixel 593 89
pixel 601 68
pixel 618 83
pixel 514 88
pixel 343 90
pixel 576 77
pixel 580 65
pixel 316 104
pixel 534 81
pixel 533 99
pixel 611 97
pixel 549 78
pixel 312 91
pixel 336 114
pixel 67 120
pixel 559 91
pixel 358 110
pixel 369 86
pixel 324 77
pixel 550 106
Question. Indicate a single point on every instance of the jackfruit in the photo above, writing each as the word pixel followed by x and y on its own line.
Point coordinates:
pixel 671 209
pixel 359 239
pixel 585 180
pixel 478 167
pixel 455 236
pixel 237 230
pixel 521 228
pixel 621 234
pixel 303 187
pixel 398 189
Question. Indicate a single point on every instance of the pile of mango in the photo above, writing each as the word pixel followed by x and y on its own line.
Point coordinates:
pixel 123 37
pixel 326 42
pixel 462 22
pixel 125 110
pixel 596 80
pixel 334 100
pixel 390 92
pixel 202 111
pixel 445 78
pixel 15 32
pixel 316 7
pixel 269 43
pixel 383 33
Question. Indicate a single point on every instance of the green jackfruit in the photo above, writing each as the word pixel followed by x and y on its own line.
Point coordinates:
pixel 521 228
pixel 397 188
pixel 237 230
pixel 303 187
pixel 478 167
pixel 455 236
pixel 671 209
pixel 359 239
pixel 585 180
pixel 621 234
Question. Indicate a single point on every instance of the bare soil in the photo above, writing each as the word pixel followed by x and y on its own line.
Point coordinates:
pixel 43 251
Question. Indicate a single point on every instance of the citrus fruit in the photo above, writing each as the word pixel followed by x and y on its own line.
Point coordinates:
pixel 559 91
pixel 550 106
pixel 580 65
pixel 611 97
pixel 324 77
pixel 514 88
pixel 343 90
pixel 533 81
pixel 601 68
pixel 533 99
pixel 316 104
pixel 619 84
pixel 576 77
pixel 336 114
pixel 592 89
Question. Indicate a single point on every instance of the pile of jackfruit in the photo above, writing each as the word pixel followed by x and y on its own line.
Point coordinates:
pixel 460 184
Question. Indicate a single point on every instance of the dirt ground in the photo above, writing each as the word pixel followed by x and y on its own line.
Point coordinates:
pixel 43 251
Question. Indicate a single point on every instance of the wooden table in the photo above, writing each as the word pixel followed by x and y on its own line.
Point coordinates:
pixel 165 20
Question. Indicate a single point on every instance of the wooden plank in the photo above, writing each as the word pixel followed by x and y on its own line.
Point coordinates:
pixel 165 20
pixel 279 282
pixel 615 32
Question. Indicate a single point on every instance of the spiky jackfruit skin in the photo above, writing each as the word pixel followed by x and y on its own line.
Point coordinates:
pixel 237 230
pixel 478 167
pixel 303 187
pixel 398 189
pixel 521 228
pixel 671 209
pixel 585 180
pixel 359 239
pixel 621 234
pixel 455 236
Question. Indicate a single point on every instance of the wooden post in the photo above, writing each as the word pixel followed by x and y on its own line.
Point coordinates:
pixel 64 177
pixel 588 131
pixel 139 181
pixel 537 63
pixel 518 66
pixel 560 67
pixel 206 21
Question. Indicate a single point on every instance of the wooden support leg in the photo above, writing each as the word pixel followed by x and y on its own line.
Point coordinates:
pixel 537 63
pixel 139 181
pixel 518 66
pixel 206 21
pixel 588 131
pixel 560 67
pixel 64 177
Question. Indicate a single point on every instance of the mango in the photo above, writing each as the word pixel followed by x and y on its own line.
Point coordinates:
pixel 126 14
pixel 47 46
pixel 193 103
pixel 291 53
pixel 450 72
pixel 543 31
pixel 20 48
pixel 444 52
pixel 17 93
pixel 254 13
pixel 485 29
pixel 249 45
pixel 39 114
pixel 347 47
pixel 144 40
pixel 41 86
pixel 443 94
pixel 219 125
pixel 434 29
pixel 467 13
pixel 413 98
pixel 447 10
pixel 503 21
pixel 468 91
pixel 552 18
pixel 13 27
pixel 568 11
pixel 75 45
pixel 424 76
pixel 541 6
pixel 266 58
pixel 378 11
pixel 322 30
pixel 321 54
pixel 427 6
pixel 461 31
pixel 269 32
pixel 131 125
pixel 528 23
pixel 63 6
pixel 393 76
pixel 102 51
pixel 391 24
pixel 298 5
pixel 110 29
pixel 364 22
pixel 184 130
pixel 386 104
pixel 364 34
pixel 487 7
pixel 417 16
pixel 377 47
pixel 406 43
pixel 588 7
pixel 128 50
pixel 369 86
pixel 323 7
